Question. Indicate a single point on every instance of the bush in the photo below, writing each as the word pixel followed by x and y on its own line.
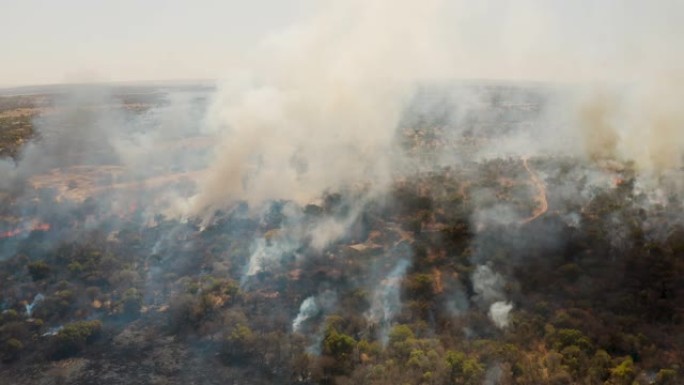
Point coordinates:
pixel 340 347
pixel 74 337
pixel 38 270
pixel 464 370
pixel 238 346
pixel 624 373
pixel 666 377
pixel 11 350
pixel 9 316
pixel 132 302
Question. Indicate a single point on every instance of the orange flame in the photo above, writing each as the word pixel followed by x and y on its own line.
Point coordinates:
pixel 34 226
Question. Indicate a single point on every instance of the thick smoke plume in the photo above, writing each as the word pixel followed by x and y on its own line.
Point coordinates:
pixel 319 108
pixel 319 105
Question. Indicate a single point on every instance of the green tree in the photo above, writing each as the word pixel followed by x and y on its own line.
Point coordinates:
pixel 623 374
pixel 340 347
pixel 132 302
pixel 11 350
pixel 74 337
pixel 599 366
pixel 666 377
pixel 38 270
pixel 463 369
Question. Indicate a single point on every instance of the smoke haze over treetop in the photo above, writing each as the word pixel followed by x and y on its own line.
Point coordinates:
pixel 376 192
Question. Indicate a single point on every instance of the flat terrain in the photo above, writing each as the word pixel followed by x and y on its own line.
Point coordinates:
pixel 469 269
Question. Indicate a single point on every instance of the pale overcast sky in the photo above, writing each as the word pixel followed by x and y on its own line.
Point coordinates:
pixel 56 41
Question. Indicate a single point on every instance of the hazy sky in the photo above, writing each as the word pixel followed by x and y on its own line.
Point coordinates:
pixel 50 41
pixel 55 41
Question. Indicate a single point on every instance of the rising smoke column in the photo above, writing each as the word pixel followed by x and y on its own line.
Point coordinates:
pixel 308 309
pixel 386 300
pixel 489 289
pixel 319 107
pixel 36 300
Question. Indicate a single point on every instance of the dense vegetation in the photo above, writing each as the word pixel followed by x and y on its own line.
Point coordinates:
pixel 595 284
pixel 16 128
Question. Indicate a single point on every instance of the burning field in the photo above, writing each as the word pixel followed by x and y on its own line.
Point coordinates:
pixel 347 220
pixel 464 264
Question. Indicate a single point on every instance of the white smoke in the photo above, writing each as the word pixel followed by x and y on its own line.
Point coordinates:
pixel 489 293
pixel 493 375
pixel 307 310
pixel 386 300
pixel 458 303
pixel 488 284
pixel 53 331
pixel 499 313
pixel 319 107
pixel 268 254
pixel 313 307
pixel 36 300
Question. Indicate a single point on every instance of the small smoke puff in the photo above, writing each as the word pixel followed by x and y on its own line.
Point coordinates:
pixel 640 123
pixel 327 300
pixel 600 137
pixel 268 254
pixel 497 215
pixel 458 303
pixel 499 313
pixel 386 302
pixel 494 375
pixel 488 284
pixel 313 306
pixel 386 299
pixel 36 300
pixel 326 232
pixel 307 310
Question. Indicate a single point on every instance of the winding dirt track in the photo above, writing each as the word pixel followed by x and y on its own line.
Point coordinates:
pixel 541 194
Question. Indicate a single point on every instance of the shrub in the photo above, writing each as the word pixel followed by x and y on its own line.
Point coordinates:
pixel 238 346
pixel 463 369
pixel 11 349
pixel 74 337
pixel 38 270
pixel 666 377
pixel 340 347
pixel 624 373
pixel 132 302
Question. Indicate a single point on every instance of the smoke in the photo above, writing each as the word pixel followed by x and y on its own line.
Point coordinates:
pixel 36 300
pixel 319 107
pixel 386 300
pixel 290 232
pixel 488 284
pixel 314 306
pixel 98 153
pixel 317 112
pixel 494 375
pixel 307 310
pixel 52 331
pixel 498 313
pixel 458 302
pixel 637 123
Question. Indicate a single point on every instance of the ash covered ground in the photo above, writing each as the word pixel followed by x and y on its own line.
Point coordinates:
pixel 481 240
